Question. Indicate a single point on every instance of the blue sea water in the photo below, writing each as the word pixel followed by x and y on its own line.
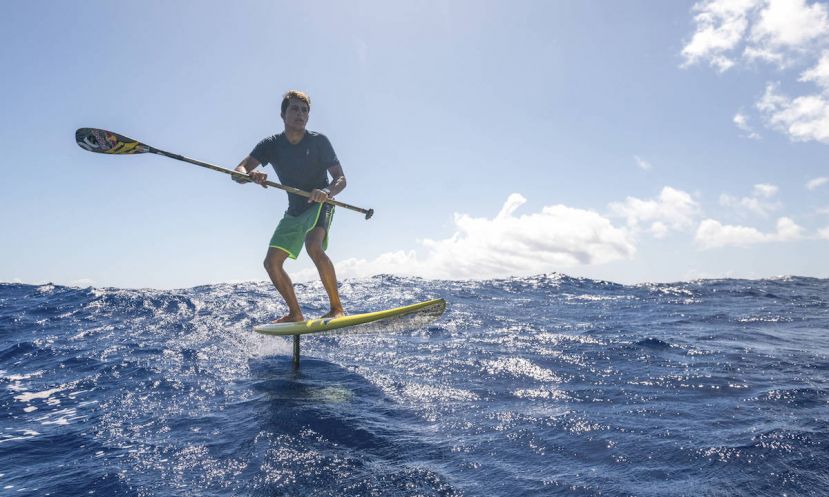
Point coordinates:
pixel 538 386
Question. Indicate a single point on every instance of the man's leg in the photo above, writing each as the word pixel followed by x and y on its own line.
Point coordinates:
pixel 273 265
pixel 313 245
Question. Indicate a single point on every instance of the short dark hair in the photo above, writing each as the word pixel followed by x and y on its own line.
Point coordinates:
pixel 286 99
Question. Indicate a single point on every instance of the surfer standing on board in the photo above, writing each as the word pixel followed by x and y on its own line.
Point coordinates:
pixel 302 159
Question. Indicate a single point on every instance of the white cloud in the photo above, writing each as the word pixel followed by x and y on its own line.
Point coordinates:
pixel 765 190
pixel 802 118
pixel 816 183
pixel 673 209
pixel 771 30
pixel 747 203
pixel 741 121
pixel 555 238
pixel 787 231
pixel 658 229
pixel 784 25
pixel 818 74
pixel 783 32
pixel 720 27
pixel 401 262
pixel 642 163
pixel 824 233
pixel 758 203
pixel 712 234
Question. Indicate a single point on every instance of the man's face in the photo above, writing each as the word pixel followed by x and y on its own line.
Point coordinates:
pixel 296 115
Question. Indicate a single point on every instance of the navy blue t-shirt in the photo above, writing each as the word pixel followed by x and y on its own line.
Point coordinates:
pixel 304 165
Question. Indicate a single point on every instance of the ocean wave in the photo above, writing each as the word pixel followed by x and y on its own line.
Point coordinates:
pixel 707 384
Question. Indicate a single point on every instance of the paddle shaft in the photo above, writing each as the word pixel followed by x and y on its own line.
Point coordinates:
pixel 368 212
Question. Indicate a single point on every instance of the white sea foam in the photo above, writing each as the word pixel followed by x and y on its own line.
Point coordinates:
pixel 541 393
pixel 62 417
pixel 48 288
pixel 423 392
pixel 556 338
pixel 24 435
pixel 20 377
pixel 518 366
pixel 45 394
pixel 597 298
pixel 764 319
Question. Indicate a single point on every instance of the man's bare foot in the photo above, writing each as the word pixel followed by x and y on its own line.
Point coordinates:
pixel 334 313
pixel 290 318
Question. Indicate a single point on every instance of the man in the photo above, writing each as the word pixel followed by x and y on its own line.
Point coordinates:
pixel 302 159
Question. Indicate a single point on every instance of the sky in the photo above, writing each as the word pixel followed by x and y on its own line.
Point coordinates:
pixel 637 141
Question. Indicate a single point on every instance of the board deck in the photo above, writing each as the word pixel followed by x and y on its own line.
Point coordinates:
pixel 435 306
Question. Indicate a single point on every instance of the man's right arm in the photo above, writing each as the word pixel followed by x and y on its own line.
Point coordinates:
pixel 247 166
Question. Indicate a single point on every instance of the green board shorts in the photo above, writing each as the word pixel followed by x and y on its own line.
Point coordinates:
pixel 289 235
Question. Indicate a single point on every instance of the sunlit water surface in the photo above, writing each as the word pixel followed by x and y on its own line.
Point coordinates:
pixel 537 386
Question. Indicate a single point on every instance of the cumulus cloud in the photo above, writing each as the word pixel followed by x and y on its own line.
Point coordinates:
pixel 765 190
pixel 820 73
pixel 672 210
pixel 642 163
pixel 555 238
pixel 741 121
pixel 802 118
pixel 713 234
pixel 816 183
pixel 760 202
pixel 777 31
pixel 786 25
pixel 823 233
pixel 781 32
pixel 720 27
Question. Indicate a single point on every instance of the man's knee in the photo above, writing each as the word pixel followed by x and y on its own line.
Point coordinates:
pixel 315 250
pixel 274 259
pixel 313 243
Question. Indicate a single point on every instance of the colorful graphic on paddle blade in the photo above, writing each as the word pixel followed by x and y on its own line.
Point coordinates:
pixel 107 142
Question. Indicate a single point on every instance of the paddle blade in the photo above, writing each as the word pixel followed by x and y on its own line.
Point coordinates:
pixel 107 142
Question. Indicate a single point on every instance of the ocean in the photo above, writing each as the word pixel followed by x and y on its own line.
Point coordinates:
pixel 538 386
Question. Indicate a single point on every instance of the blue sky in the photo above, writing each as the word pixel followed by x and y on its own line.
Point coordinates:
pixel 628 141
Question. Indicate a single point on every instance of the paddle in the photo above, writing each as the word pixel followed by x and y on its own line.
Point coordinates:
pixel 107 142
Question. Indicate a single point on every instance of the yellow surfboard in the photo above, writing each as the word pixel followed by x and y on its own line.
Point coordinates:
pixel 430 307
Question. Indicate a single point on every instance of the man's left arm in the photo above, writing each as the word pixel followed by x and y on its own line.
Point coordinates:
pixel 336 186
